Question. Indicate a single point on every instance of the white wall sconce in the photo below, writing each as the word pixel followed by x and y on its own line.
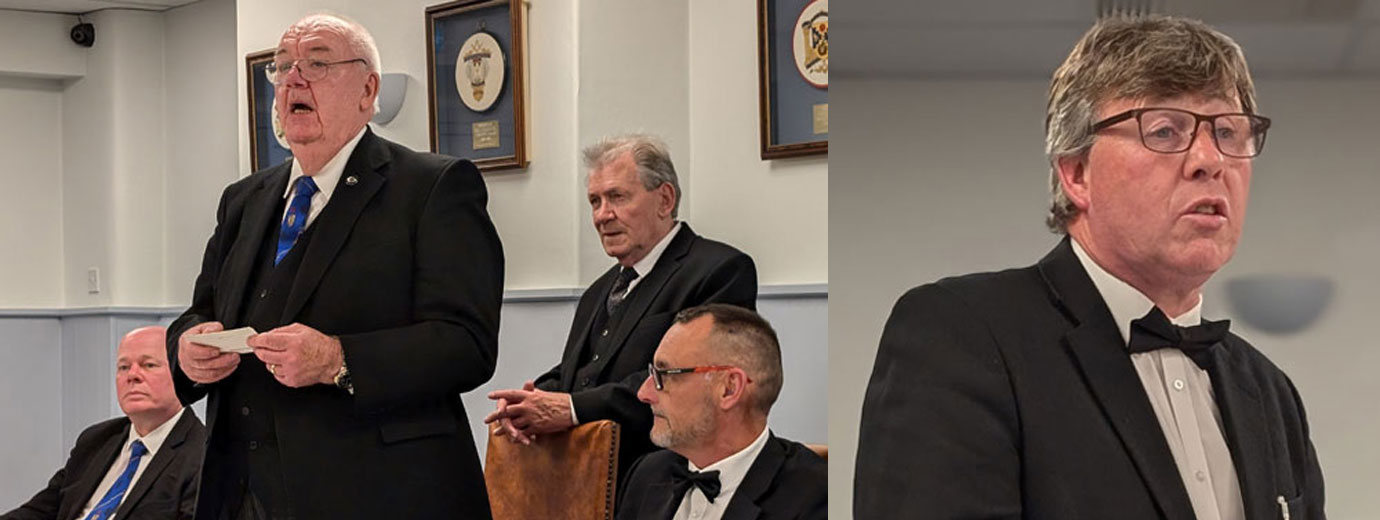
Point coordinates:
pixel 392 90
pixel 1279 304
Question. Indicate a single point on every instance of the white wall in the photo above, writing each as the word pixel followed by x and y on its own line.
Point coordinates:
pixel 41 46
pixel 777 211
pixel 31 201
pixel 201 73
pixel 948 177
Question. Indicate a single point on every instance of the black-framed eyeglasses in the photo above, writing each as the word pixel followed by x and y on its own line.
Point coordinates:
pixel 658 375
pixel 310 69
pixel 1171 130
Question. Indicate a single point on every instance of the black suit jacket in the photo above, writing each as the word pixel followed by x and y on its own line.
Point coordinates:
pixel 787 481
pixel 1012 395
pixel 166 490
pixel 406 269
pixel 691 271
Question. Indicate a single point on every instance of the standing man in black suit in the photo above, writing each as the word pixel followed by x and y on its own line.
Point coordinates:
pixel 374 276
pixel 141 466
pixel 710 388
pixel 1088 386
pixel 663 267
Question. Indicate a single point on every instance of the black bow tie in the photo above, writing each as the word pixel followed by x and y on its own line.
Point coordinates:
pixel 682 478
pixel 1155 331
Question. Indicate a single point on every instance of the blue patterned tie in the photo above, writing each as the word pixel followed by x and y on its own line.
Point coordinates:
pixel 296 218
pixel 111 501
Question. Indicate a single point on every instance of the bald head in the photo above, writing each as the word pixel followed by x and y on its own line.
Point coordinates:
pixel 143 381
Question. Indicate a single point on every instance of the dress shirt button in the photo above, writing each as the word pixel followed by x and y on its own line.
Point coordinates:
pixel 1200 476
pixel 1179 385
pixel 253 445
pixel 244 411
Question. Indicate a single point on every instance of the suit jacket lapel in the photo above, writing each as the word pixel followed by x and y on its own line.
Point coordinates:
pixel 1107 369
pixel 239 262
pixel 743 505
pixel 335 222
pixel 647 290
pixel 74 501
pixel 166 453
pixel 1246 431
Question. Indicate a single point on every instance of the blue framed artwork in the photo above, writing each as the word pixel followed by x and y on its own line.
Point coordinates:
pixel 475 82
pixel 793 77
pixel 267 147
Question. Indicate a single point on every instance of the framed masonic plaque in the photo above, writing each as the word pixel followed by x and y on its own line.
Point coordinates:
pixel 475 82
pixel 267 147
pixel 793 77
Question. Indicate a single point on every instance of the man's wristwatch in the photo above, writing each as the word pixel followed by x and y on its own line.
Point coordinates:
pixel 342 379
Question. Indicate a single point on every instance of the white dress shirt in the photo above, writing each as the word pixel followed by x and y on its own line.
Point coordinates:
pixel 152 441
pixel 1181 394
pixel 732 469
pixel 643 267
pixel 325 180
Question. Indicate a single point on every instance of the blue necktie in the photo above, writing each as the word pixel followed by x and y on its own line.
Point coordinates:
pixel 111 501
pixel 296 218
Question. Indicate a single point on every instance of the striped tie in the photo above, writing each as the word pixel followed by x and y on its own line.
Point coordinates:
pixel 111 501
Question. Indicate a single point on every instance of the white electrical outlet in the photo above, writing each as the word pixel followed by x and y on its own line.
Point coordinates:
pixel 93 280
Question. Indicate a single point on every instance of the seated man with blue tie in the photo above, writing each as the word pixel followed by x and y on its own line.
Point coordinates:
pixel 143 465
pixel 711 385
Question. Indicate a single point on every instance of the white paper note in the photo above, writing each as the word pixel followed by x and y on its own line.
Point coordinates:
pixel 226 340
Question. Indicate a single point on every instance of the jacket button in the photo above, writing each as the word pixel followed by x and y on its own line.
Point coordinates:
pixel 263 293
pixel 244 411
pixel 253 445
pixel 604 333
pixel 585 383
pixel 596 357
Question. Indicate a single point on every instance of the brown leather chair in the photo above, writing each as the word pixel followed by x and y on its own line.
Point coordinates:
pixel 565 475
pixel 820 449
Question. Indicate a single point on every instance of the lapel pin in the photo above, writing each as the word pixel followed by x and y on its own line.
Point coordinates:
pixel 351 180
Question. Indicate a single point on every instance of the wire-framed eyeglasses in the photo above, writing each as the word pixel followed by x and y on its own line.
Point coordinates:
pixel 310 69
pixel 1171 130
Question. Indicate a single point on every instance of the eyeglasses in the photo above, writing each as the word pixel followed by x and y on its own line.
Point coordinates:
pixel 311 70
pixel 1170 130
pixel 658 374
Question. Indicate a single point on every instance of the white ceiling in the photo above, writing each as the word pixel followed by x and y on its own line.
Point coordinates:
pixel 1029 38
pixel 86 6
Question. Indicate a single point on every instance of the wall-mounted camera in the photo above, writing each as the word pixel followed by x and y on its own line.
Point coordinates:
pixel 84 34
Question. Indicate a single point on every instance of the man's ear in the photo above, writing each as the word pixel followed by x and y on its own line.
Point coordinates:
pixel 1073 178
pixel 371 93
pixel 666 200
pixel 734 389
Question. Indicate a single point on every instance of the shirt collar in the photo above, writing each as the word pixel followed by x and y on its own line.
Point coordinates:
pixel 646 264
pixel 329 175
pixel 155 437
pixel 1127 303
pixel 733 468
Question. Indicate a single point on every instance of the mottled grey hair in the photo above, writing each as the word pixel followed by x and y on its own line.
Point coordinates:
pixel 1129 57
pixel 742 338
pixel 649 153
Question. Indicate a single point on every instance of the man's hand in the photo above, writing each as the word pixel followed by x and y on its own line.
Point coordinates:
pixel 529 411
pixel 204 364
pixel 298 355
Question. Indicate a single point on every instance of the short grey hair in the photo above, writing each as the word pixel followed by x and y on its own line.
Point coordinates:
pixel 649 153
pixel 744 339
pixel 1123 57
